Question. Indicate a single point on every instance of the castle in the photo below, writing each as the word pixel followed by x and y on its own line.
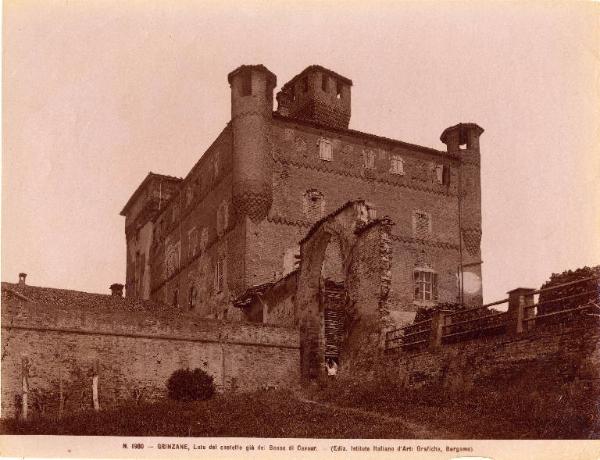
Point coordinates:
pixel 295 242
pixel 233 224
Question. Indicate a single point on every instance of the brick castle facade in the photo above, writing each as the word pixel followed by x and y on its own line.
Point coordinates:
pixel 236 219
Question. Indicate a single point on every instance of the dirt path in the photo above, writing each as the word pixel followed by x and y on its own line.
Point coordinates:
pixel 419 431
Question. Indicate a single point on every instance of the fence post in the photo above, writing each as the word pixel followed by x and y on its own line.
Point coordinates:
pixel 61 396
pixel 25 386
pixel 518 299
pixel 437 328
pixel 95 372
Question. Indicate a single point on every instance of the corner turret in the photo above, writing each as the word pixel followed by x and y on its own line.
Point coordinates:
pixel 463 140
pixel 251 117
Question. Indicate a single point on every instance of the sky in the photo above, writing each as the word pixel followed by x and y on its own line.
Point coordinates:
pixel 96 94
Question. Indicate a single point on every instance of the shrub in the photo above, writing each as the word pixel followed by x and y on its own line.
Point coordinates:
pixel 190 385
pixel 577 294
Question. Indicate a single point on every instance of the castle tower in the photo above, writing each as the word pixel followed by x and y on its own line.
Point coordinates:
pixel 463 141
pixel 251 114
pixel 319 95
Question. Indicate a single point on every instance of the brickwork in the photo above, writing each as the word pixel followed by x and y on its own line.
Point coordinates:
pixel 199 242
pixel 556 355
pixel 393 195
pixel 137 347
pixel 317 94
pixel 276 173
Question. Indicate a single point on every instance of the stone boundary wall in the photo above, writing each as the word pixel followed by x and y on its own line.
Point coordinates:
pixel 133 354
pixel 552 356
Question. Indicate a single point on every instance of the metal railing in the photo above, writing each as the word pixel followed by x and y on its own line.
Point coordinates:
pixel 523 314
pixel 408 336
pixel 474 322
pixel 589 302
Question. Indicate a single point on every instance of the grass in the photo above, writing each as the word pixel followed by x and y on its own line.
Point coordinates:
pixel 261 414
pixel 522 410
pixel 372 410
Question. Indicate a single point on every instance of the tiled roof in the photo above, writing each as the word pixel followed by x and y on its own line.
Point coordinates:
pixel 143 184
pixel 246 298
pixel 85 301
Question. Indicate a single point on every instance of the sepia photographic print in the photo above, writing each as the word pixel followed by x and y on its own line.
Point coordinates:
pixel 300 229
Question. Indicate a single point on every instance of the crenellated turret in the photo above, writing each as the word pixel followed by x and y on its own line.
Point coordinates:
pixel 319 95
pixel 251 114
pixel 463 140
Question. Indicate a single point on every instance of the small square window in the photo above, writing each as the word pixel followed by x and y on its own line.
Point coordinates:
pixel 325 150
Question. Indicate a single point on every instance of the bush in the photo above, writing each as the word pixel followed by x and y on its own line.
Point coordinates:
pixel 190 385
pixel 578 294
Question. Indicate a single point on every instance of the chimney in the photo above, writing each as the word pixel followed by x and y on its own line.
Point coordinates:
pixel 116 289
pixel 22 277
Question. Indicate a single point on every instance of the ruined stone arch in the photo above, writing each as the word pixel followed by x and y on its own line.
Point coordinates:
pixel 365 271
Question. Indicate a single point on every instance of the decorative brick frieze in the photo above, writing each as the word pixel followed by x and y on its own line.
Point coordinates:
pixel 472 240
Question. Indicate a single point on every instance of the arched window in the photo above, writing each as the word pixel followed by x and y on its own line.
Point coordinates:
pixel 313 205
pixel 421 224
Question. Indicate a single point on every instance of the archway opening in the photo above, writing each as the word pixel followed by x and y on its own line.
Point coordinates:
pixel 333 297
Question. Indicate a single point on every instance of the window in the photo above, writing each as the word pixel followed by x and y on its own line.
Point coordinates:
pixel 173 256
pixel 325 150
pixel 175 298
pixel 369 158
pixel 313 205
pixel 397 165
pixel 247 84
pixel 203 239
pixel 338 89
pixel 421 224
pixel 442 174
pixel 175 214
pixel 220 274
pixel 426 281
pixel 192 242
pixel 324 79
pixel 222 218
pixel 192 297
